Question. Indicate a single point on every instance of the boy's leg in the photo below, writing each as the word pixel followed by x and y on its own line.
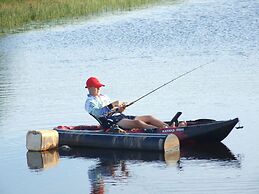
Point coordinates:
pixel 130 124
pixel 151 120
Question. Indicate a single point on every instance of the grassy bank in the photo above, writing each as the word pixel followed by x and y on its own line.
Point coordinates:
pixel 17 14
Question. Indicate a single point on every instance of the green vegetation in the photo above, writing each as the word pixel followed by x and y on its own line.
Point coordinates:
pixel 18 15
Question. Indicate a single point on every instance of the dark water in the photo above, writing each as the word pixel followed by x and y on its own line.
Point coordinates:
pixel 42 75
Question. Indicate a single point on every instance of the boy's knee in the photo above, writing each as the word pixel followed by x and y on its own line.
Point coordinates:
pixel 150 117
pixel 138 123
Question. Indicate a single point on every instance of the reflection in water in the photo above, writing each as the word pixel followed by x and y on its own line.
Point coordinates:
pixel 112 164
pixel 106 168
pixel 115 164
pixel 42 160
pixel 212 152
pixel 118 155
pixel 45 159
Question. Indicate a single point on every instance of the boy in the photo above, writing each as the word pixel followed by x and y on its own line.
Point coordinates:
pixel 101 107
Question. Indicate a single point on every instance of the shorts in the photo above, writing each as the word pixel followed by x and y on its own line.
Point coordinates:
pixel 117 118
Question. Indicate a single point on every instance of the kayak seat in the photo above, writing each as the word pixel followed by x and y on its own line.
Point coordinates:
pixel 104 122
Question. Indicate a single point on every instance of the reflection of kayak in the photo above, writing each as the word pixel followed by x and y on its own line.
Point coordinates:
pixel 202 130
pixel 114 155
pixel 207 151
pixel 46 159
pixel 216 153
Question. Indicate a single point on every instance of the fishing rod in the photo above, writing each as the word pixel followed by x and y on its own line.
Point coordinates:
pixel 182 75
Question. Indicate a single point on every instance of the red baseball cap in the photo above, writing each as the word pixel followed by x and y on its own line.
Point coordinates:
pixel 93 82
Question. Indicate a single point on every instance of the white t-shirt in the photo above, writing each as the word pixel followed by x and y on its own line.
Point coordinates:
pixel 97 105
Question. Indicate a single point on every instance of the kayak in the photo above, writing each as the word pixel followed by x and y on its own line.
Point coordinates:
pixel 199 131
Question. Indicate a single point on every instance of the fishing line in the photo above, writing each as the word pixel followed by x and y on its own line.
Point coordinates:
pixel 182 75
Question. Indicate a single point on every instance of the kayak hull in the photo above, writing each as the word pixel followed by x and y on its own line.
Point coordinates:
pixel 215 131
pixel 140 141
pixel 199 131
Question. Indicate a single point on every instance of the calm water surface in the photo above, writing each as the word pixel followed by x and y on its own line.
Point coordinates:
pixel 42 75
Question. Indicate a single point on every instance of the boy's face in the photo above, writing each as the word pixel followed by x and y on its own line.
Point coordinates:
pixel 94 91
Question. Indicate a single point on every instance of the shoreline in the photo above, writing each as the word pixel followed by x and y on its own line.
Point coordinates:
pixel 23 15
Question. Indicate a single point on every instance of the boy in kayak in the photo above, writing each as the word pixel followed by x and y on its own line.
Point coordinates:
pixel 100 106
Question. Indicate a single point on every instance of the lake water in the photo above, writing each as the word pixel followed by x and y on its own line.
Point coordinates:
pixel 42 77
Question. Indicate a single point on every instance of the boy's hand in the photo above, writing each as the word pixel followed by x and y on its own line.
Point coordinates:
pixel 122 107
pixel 115 104
pixel 119 104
